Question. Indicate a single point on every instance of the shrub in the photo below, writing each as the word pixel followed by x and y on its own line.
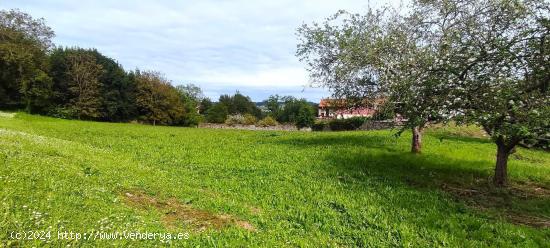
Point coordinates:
pixel 347 124
pixel 63 113
pixel 249 119
pixel 234 120
pixel 357 122
pixel 306 117
pixel 267 122
pixel 319 126
pixel 217 113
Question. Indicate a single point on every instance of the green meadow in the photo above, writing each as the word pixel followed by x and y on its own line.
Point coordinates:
pixel 240 188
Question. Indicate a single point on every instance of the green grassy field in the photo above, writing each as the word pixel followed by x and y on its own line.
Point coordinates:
pixel 270 189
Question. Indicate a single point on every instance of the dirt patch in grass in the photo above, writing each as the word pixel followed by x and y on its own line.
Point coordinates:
pixel 508 202
pixel 176 213
pixel 255 210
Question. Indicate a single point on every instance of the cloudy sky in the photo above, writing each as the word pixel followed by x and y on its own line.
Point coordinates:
pixel 220 45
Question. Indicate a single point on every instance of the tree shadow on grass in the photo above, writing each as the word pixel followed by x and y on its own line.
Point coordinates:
pixel 370 140
pixel 380 159
pixel 454 137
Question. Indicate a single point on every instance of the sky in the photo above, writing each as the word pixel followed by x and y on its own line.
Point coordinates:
pixel 220 45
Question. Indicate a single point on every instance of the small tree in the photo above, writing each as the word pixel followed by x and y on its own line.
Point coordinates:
pixel 305 117
pixel 273 104
pixel 190 96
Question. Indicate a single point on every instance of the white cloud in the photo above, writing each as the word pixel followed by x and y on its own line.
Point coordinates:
pixel 219 44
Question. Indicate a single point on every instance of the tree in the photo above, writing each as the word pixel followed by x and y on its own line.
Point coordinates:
pixel 192 91
pixel 380 55
pixel 190 96
pixel 501 74
pixel 483 62
pixel 217 113
pixel 157 100
pixel 305 116
pixel 117 89
pixel 84 85
pixel 273 104
pixel 239 104
pixel 24 42
pixel 37 92
pixel 296 111
pixel 204 105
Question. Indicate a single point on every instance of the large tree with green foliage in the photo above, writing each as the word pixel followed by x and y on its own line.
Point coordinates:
pixel 84 85
pixel 117 89
pixel 500 71
pixel 116 86
pixel 380 55
pixel 157 100
pixel 24 42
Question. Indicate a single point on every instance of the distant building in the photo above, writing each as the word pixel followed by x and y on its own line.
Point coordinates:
pixel 336 108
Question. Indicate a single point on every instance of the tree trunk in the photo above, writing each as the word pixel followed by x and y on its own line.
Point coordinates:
pixel 501 169
pixel 28 106
pixel 416 146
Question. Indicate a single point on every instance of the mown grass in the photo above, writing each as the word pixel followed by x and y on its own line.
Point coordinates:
pixel 293 188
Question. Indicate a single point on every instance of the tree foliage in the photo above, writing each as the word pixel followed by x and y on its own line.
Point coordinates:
pixel 24 42
pixel 82 83
pixel 288 109
pixel 499 68
pixel 483 62
pixel 217 113
pixel 84 86
pixel 158 102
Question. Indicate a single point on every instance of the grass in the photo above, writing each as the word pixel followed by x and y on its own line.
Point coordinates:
pixel 264 188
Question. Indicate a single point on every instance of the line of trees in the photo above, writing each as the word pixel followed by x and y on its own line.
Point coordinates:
pixel 484 62
pixel 82 83
pixel 283 109
pixel 288 109
pixel 77 83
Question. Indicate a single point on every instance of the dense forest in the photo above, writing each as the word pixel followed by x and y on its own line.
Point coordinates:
pixel 79 83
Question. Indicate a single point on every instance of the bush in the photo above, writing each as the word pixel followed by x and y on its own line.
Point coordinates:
pixel 347 124
pixel 306 117
pixel 234 120
pixel 63 113
pixel 319 126
pixel 267 122
pixel 249 119
pixel 217 113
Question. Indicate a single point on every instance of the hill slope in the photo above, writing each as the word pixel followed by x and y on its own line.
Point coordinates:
pixel 229 187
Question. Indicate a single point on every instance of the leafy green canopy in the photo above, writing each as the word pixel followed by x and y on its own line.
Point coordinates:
pixel 288 109
pixel 24 42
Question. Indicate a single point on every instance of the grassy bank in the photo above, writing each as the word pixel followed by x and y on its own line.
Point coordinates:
pixel 265 188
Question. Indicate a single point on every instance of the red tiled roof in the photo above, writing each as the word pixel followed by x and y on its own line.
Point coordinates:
pixel 341 103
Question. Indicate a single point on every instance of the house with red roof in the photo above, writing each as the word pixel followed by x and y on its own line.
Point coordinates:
pixel 337 108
